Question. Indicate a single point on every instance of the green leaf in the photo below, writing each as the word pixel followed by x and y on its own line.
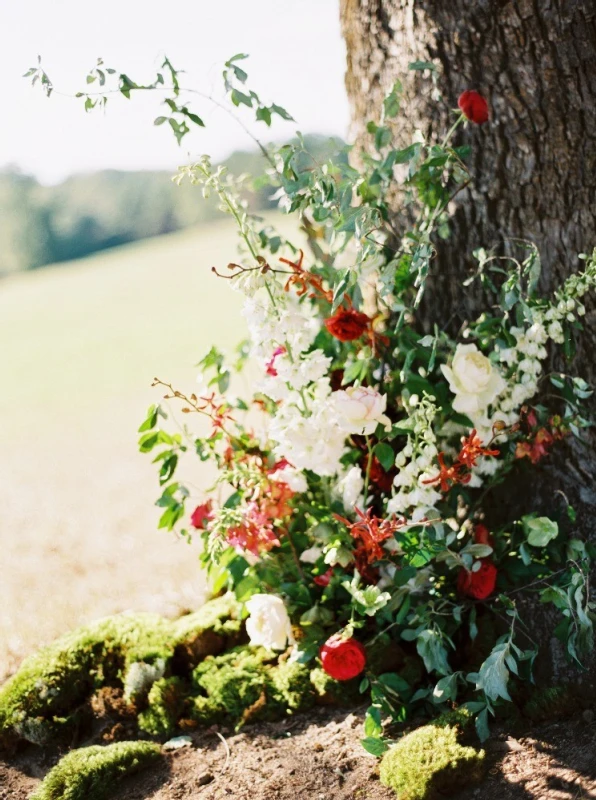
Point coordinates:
pixel 391 103
pixel 237 97
pixel 264 115
pixel 446 688
pixel 281 112
pixel 151 419
pixel 386 456
pixel 431 649
pixel 481 725
pixel 372 722
pixel 540 530
pixel 394 683
pixel 375 747
pixel 160 120
pixel 493 675
pixel 422 65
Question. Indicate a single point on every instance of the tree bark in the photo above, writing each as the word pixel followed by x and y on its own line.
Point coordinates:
pixel 533 169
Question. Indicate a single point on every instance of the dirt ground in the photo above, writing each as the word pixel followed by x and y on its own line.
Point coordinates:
pixel 318 757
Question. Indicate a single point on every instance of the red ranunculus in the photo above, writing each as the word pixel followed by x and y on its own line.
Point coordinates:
pixel 201 515
pixel 342 659
pixel 482 535
pixel 474 107
pixel 324 579
pixel 479 584
pixel 348 324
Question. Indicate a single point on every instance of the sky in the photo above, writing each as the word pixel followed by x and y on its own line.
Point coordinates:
pixel 297 60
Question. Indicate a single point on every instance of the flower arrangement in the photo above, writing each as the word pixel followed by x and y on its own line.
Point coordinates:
pixel 349 512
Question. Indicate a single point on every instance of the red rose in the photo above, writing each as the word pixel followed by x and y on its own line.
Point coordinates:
pixel 201 515
pixel 342 659
pixel 474 107
pixel 348 324
pixel 479 584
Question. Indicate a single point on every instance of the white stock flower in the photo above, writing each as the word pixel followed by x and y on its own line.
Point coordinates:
pixel 472 379
pixel 361 409
pixel 268 624
pixel 351 486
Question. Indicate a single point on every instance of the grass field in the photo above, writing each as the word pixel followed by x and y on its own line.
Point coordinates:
pixel 81 344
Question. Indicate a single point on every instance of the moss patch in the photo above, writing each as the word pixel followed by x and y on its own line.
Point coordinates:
pixel 89 773
pixel 549 704
pixel 165 705
pixel 245 684
pixel 431 760
pixel 130 650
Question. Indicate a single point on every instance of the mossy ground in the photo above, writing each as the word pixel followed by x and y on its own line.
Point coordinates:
pixel 89 773
pixel 158 675
pixel 430 760
pixel 132 651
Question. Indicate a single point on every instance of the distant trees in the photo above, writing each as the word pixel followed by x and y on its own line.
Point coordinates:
pixel 86 213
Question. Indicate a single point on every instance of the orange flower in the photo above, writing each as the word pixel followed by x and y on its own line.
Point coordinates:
pixel 472 449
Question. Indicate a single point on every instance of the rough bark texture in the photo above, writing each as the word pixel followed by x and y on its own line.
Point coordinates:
pixel 533 164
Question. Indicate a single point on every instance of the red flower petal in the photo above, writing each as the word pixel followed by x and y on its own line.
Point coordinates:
pixel 479 584
pixel 342 659
pixel 473 106
pixel 348 324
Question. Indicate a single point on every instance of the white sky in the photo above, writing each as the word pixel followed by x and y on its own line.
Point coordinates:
pixel 297 60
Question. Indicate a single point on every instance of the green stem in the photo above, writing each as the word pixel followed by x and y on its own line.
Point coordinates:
pixel 368 467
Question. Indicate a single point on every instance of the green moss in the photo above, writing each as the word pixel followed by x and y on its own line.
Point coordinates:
pixel 230 685
pixel 291 689
pixel 332 692
pixel 132 650
pixel 245 684
pixel 165 705
pixel 548 704
pixel 431 760
pixel 89 773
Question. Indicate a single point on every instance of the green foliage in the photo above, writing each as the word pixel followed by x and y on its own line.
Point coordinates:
pixel 90 772
pixel 430 760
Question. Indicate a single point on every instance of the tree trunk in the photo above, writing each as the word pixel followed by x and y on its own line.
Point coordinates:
pixel 533 169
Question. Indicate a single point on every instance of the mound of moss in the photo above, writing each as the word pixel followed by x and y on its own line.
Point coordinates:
pixel 245 684
pixel 430 760
pixel 89 773
pixel 164 707
pixel 133 650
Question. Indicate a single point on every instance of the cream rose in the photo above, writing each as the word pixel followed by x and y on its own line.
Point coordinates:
pixel 473 380
pixel 361 409
pixel 268 624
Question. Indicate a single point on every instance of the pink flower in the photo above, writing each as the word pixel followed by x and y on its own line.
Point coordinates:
pixel 255 533
pixel 270 365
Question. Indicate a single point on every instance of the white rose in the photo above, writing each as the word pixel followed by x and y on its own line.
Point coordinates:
pixel 269 624
pixel 361 409
pixel 472 379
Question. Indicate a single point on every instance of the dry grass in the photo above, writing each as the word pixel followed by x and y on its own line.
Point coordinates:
pixel 80 346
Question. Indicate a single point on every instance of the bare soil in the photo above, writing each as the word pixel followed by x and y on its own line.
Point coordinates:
pixel 318 756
